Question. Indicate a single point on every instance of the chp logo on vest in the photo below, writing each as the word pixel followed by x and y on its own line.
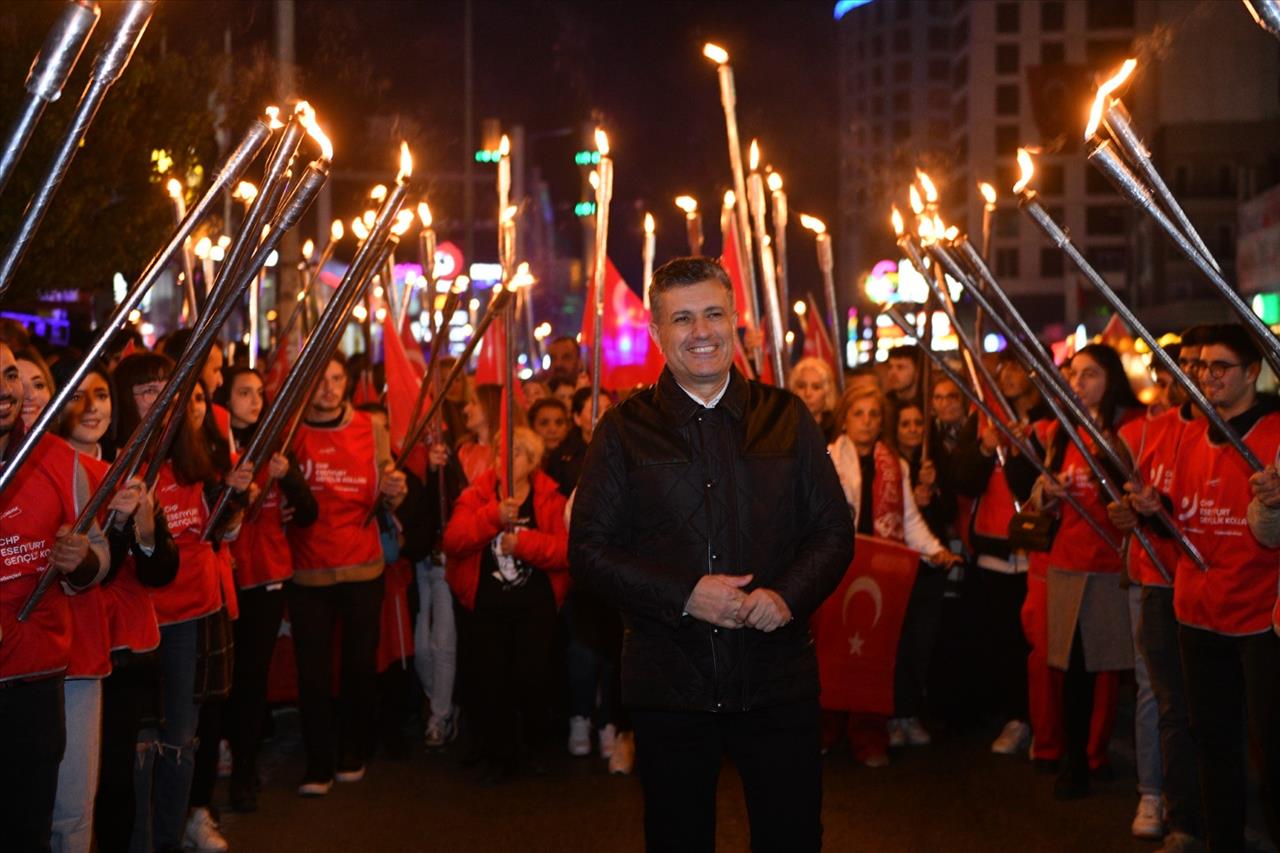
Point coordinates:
pixel 10 513
pixel 308 468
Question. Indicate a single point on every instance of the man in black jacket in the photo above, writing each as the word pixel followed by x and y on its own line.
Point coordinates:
pixel 710 514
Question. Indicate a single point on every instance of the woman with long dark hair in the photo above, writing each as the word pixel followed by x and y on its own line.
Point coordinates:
pixel 192 610
pixel 1088 610
pixel 262 563
pixel 114 678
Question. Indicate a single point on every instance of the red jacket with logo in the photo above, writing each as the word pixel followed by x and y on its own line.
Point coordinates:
pixel 198 589
pixel 1077 547
pixel 43 496
pixel 475 522
pixel 1211 496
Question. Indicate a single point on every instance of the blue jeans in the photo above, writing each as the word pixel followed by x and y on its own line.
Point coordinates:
pixel 78 772
pixel 1146 713
pixel 435 639
pixel 162 779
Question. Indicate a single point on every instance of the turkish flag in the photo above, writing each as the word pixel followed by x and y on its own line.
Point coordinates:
pixel 857 628
pixel 733 261
pixel 491 363
pixel 628 356
pixel 817 343
pixel 404 382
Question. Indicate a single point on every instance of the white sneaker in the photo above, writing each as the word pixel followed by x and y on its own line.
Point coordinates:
pixel 202 833
pixel 440 733
pixel 608 740
pixel 897 738
pixel 623 758
pixel 313 788
pixel 1148 822
pixel 915 732
pixel 1013 738
pixel 579 736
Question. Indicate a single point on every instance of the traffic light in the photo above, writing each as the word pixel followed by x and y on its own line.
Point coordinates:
pixel 584 208
pixel 483 156
pixel 587 158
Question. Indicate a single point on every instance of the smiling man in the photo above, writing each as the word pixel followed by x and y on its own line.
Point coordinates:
pixel 709 513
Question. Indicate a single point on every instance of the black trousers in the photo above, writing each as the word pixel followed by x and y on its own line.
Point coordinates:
pixel 208 750
pixel 508 657
pixel 915 644
pixel 776 752
pixel 261 611
pixel 33 736
pixel 1077 709
pixel 1158 642
pixel 1225 674
pixel 130 695
pixel 315 612
pixel 1005 646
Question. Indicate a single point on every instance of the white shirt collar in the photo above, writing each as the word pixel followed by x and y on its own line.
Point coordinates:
pixel 711 402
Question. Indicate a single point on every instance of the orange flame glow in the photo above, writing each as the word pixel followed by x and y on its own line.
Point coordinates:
pixel 1102 99
pixel 358 228
pixel 917 204
pixel 1026 167
pixel 813 223
pixel 406 163
pixel 403 220
pixel 336 231
pixel 754 158
pixel 504 146
pixel 775 182
pixel 688 204
pixel 307 116
pixel 648 223
pixel 602 142
pixel 174 186
pixel 378 194
pixel 424 214
pixel 988 193
pixel 273 118
pixel 715 53
pixel 730 200
pixel 896 219
pixel 926 184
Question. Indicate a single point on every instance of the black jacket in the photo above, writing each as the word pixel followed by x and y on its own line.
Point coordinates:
pixel 671 491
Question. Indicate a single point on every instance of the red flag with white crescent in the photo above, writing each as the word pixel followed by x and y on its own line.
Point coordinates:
pixel 857 627
pixel 628 357
pixel 404 380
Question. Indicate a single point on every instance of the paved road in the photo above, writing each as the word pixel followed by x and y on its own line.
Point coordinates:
pixel 952 796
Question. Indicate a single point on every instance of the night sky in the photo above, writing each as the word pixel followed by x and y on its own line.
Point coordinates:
pixel 551 66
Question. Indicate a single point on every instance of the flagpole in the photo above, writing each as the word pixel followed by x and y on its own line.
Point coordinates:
pixel 604 195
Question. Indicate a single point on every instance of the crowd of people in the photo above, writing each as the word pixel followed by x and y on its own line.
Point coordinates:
pixel 148 668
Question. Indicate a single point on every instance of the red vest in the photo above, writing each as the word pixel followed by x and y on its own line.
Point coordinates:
pixel 995 507
pixel 1077 547
pixel 1211 495
pixel 126 603
pixel 340 465
pixel 40 499
pixel 196 591
pixel 261 551
pixel 1153 442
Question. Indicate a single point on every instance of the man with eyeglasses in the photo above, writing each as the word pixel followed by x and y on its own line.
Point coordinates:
pixel 1226 632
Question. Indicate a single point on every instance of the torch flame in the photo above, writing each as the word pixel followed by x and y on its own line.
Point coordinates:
pixel 648 223
pixel 336 231
pixel 368 218
pixel 775 182
pixel 917 205
pixel 1104 93
pixel 688 204
pixel 896 218
pixel 930 191
pixel 307 116
pixel 378 193
pixel 308 249
pixel 594 179
pixel 1027 167
pixel 175 188
pixel 925 230
pixel 245 191
pixel 273 118
pixel 988 192
pixel 800 308
pixel 460 284
pixel 424 214
pixel 403 220
pixel 952 233
pixel 938 228
pixel 509 214
pixel 203 246
pixel 406 163
pixel 754 158
pixel 814 224
pixel 358 228
pixel 504 147
pixel 602 142
pixel 522 278
pixel 715 53
pixel 730 200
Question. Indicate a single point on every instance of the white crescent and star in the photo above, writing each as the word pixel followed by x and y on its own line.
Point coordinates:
pixel 866 584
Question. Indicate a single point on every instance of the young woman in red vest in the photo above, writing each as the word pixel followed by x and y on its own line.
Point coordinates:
pixel 482 411
pixel 508 565
pixel 1227 635
pixel 191 611
pixel 877 487
pixel 1088 611
pixel 337 575
pixel 263 563
pixel 35 512
pixel 115 631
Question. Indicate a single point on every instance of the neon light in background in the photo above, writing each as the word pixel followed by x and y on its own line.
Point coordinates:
pixel 844 7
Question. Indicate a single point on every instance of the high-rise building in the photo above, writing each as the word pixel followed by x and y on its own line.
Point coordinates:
pixel 1205 97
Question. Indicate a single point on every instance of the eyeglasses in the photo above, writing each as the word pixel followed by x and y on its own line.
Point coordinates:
pixel 149 391
pixel 1216 369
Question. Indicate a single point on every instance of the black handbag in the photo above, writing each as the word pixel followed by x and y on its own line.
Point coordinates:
pixel 1032 531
